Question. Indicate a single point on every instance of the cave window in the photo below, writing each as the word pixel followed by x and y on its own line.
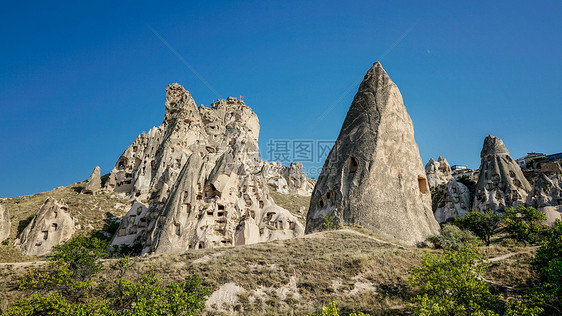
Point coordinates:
pixel 45 235
pixel 321 203
pixel 121 164
pixel 55 226
pixel 210 212
pixel 221 207
pixel 422 184
pixel 56 214
pixel 261 204
pixel 511 173
pixel 178 228
pixel 139 210
pixel 201 245
pixel 353 163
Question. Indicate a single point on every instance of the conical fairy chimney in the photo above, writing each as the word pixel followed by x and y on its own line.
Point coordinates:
pixel 374 175
pixel 501 182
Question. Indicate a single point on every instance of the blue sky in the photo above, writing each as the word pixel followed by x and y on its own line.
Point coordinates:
pixel 80 81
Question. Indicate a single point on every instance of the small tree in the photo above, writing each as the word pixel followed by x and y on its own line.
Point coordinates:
pixel 482 223
pixel 452 237
pixel 450 284
pixel 524 223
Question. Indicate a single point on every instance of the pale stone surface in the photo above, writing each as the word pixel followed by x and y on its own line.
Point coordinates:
pixel 374 175
pixel 201 179
pixel 546 196
pixel 438 172
pixel 51 226
pixel 94 182
pixel 456 202
pixel 501 182
pixel 4 223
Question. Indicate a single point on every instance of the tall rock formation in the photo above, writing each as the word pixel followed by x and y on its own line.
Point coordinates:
pixel 51 226
pixel 455 202
pixel 4 223
pixel 438 172
pixel 198 179
pixel 93 184
pixel 501 182
pixel 374 175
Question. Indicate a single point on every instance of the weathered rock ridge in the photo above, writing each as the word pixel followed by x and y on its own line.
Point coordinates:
pixel 374 175
pixel 501 182
pixel 199 180
pixel 51 226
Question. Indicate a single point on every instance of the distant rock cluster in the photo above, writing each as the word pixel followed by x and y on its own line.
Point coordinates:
pixel 500 183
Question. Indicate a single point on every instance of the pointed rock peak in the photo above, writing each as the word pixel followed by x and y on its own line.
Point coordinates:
pixel 493 146
pixel 179 104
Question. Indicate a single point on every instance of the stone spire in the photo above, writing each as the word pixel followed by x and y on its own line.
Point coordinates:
pixel 501 182
pixel 374 175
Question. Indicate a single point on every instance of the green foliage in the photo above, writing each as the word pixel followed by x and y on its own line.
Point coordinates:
pixel 332 310
pixel 328 222
pixel 482 223
pixel 452 237
pixel 6 241
pixel 149 297
pixel 449 284
pixel 548 264
pixel 70 284
pixel 81 253
pixel 524 223
pixel 518 307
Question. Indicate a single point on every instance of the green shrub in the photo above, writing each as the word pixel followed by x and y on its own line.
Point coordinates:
pixel 449 284
pixel 332 310
pixel 524 223
pixel 328 222
pixel 482 223
pixel 452 237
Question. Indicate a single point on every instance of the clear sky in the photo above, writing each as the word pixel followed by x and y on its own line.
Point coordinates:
pixel 80 81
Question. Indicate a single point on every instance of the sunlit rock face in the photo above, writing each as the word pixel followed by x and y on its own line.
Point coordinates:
pixel 374 175
pixel 5 223
pixel 501 182
pixel 199 181
pixel 93 184
pixel 438 172
pixel 51 226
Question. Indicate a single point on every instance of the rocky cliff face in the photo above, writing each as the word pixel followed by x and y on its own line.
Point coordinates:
pixel 546 196
pixel 51 226
pixel 501 182
pixel 4 223
pixel 438 172
pixel 374 175
pixel 201 180
pixel 455 202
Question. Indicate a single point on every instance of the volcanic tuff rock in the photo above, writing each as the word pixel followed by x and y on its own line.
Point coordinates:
pixel 455 203
pixel 200 179
pixel 4 223
pixel 93 184
pixel 546 196
pixel 374 175
pixel 51 226
pixel 438 172
pixel 501 182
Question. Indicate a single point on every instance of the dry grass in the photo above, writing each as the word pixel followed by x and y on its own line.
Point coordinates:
pixel 294 203
pixel 90 211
